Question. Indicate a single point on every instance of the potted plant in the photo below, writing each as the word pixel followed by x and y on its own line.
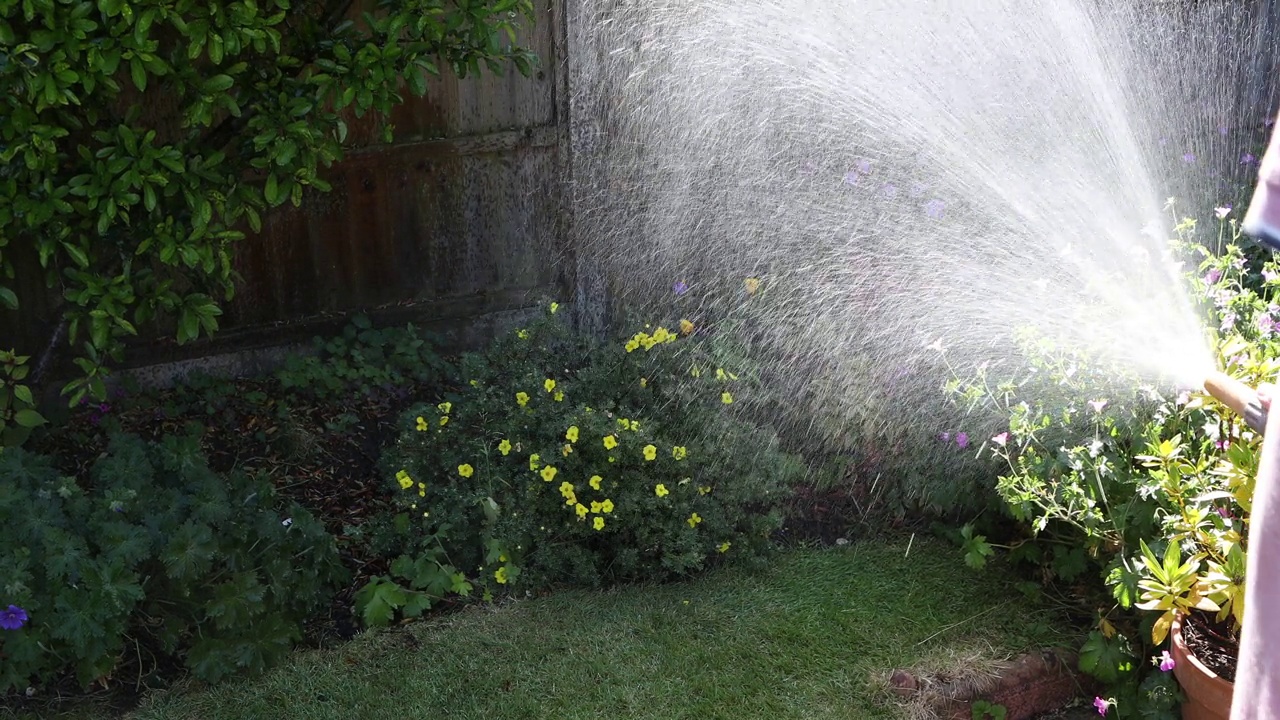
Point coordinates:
pixel 1149 490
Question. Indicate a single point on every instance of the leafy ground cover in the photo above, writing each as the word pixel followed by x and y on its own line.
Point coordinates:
pixel 804 639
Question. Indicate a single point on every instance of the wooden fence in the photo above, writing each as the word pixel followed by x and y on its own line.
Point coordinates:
pixel 468 213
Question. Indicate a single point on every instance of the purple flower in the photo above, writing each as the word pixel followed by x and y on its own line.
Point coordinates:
pixel 1228 322
pixel 1224 512
pixel 864 167
pixel 680 287
pixel 1270 275
pixel 1212 276
pixel 104 408
pixel 851 177
pixel 1189 158
pixel 934 208
pixel 1166 661
pixel 1222 130
pixel 962 440
pixel 917 189
pixel 891 191
pixel 13 618
pixel 944 436
pixel 1164 141
pixel 1247 159
pixel 1267 325
pixel 1102 706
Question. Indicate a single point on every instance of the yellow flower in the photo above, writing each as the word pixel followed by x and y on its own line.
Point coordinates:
pixel 566 450
pixel 522 399
pixel 598 523
pixel 606 506
pixel 444 420
pixel 504 447
pixel 500 575
pixel 726 398
pixel 635 425
pixel 720 375
pixel 694 519
pixel 502 558
pixel 660 490
pixel 571 434
pixel 686 327
pixel 549 473
pixel 422 424
pixel 422 491
pixel 644 382
pixel 566 488
pixel 559 396
pixel 554 308
pixel 581 510
pixel 595 506
pixel 703 490
pixel 752 284
pixel 610 442
pixel 571 499
pixel 632 345
pixel 406 482
pixel 466 470
pixel 594 482
pixel 445 407
pixel 650 452
pixel 660 335
pixel 679 452
pixel 549 384
pixel 695 371
pixel 475 383
pixel 522 334
pixel 535 461
pixel 724 547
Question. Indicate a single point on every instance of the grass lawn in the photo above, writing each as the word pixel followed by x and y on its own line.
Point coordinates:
pixel 801 640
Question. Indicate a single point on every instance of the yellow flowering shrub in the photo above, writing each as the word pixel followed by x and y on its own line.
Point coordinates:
pixel 557 466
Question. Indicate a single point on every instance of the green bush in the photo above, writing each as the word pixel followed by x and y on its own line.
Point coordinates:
pixel 142 140
pixel 563 461
pixel 154 555
pixel 363 360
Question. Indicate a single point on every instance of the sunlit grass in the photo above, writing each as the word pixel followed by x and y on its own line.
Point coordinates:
pixel 802 640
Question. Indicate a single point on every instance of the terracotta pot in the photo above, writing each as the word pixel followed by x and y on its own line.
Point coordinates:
pixel 1208 696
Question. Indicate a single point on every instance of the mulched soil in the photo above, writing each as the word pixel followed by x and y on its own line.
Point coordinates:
pixel 1213 643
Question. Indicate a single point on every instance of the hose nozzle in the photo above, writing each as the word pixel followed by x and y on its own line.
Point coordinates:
pixel 1239 397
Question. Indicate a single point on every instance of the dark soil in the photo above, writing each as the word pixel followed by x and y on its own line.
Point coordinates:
pixel 1213 643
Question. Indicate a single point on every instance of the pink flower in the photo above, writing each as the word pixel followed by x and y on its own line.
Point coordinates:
pixel 944 436
pixel 1166 661
pixel 1097 405
pixel 962 440
pixel 1101 705
pixel 1001 439
pixel 1212 276
pixel 1247 158
pixel 1222 212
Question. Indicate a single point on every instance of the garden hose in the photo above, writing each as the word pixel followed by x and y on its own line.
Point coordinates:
pixel 1239 397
